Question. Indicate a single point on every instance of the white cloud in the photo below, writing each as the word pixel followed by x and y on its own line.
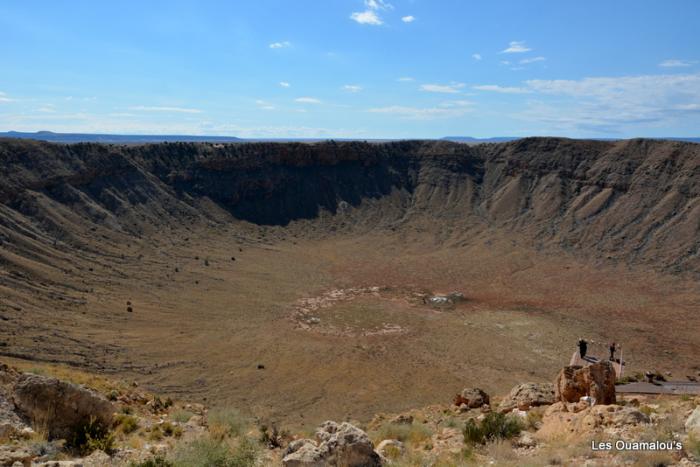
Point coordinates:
pixel 285 84
pixel 476 56
pixel 501 89
pixel 516 47
pixel 674 63
pixel 367 17
pixel 185 110
pixel 613 104
pixel 280 45
pixel 405 79
pixel 445 110
pixel 352 88
pixel 264 105
pixel 370 16
pixel 525 61
pixel 408 19
pixel 307 100
pixel 48 108
pixel 443 88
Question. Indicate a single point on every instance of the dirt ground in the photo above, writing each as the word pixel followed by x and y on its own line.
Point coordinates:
pixel 211 306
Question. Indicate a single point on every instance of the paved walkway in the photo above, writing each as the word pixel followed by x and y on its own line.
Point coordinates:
pixel 667 387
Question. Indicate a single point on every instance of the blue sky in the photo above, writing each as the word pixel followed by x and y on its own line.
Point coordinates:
pixel 352 68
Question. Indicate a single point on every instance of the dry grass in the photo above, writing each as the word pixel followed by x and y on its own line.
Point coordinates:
pixel 414 435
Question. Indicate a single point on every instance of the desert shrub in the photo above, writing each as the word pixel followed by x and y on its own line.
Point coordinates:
pixel 169 429
pixel 89 437
pixel 494 427
pixel 534 417
pixel 156 434
pixel 211 452
pixel 273 437
pixel 127 424
pixel 153 462
pixel 181 416
pixel 228 420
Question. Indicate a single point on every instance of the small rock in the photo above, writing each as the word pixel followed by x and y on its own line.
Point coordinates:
pixel 391 448
pixel 472 397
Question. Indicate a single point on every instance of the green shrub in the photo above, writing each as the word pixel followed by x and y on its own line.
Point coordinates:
pixel 229 419
pixel 181 416
pixel 127 424
pixel 90 437
pixel 494 427
pixel 211 452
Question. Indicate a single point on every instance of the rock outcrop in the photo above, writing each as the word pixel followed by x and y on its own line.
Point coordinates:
pixel 59 407
pixel 337 445
pixel 574 420
pixel 596 380
pixel 527 395
pixel 473 398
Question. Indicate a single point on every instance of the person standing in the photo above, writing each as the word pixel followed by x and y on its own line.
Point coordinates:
pixel 613 348
pixel 582 347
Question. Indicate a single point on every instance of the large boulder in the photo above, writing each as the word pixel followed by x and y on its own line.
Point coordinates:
pixel 472 398
pixel 60 407
pixel 692 425
pixel 596 380
pixel 338 445
pixel 527 395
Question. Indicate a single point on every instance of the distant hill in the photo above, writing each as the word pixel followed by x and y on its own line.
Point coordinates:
pixel 504 139
pixel 470 139
pixel 119 139
pixel 142 139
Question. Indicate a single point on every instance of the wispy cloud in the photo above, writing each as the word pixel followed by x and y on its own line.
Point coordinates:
pixel 352 88
pixel 307 100
pixel 405 79
pixel 408 19
pixel 48 108
pixel 285 84
pixel 525 61
pixel 453 88
pixel 476 56
pixel 611 104
pixel 516 47
pixel 370 15
pixel 675 63
pixel 280 45
pixel 185 110
pixel 264 105
pixel 4 98
pixel 451 109
pixel 501 89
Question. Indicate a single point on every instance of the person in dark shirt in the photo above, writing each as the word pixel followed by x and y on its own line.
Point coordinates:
pixel 582 347
pixel 613 348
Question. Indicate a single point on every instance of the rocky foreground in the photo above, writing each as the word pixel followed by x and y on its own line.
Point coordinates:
pixel 47 421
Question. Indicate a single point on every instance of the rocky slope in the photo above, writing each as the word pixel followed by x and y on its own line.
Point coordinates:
pixel 635 201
